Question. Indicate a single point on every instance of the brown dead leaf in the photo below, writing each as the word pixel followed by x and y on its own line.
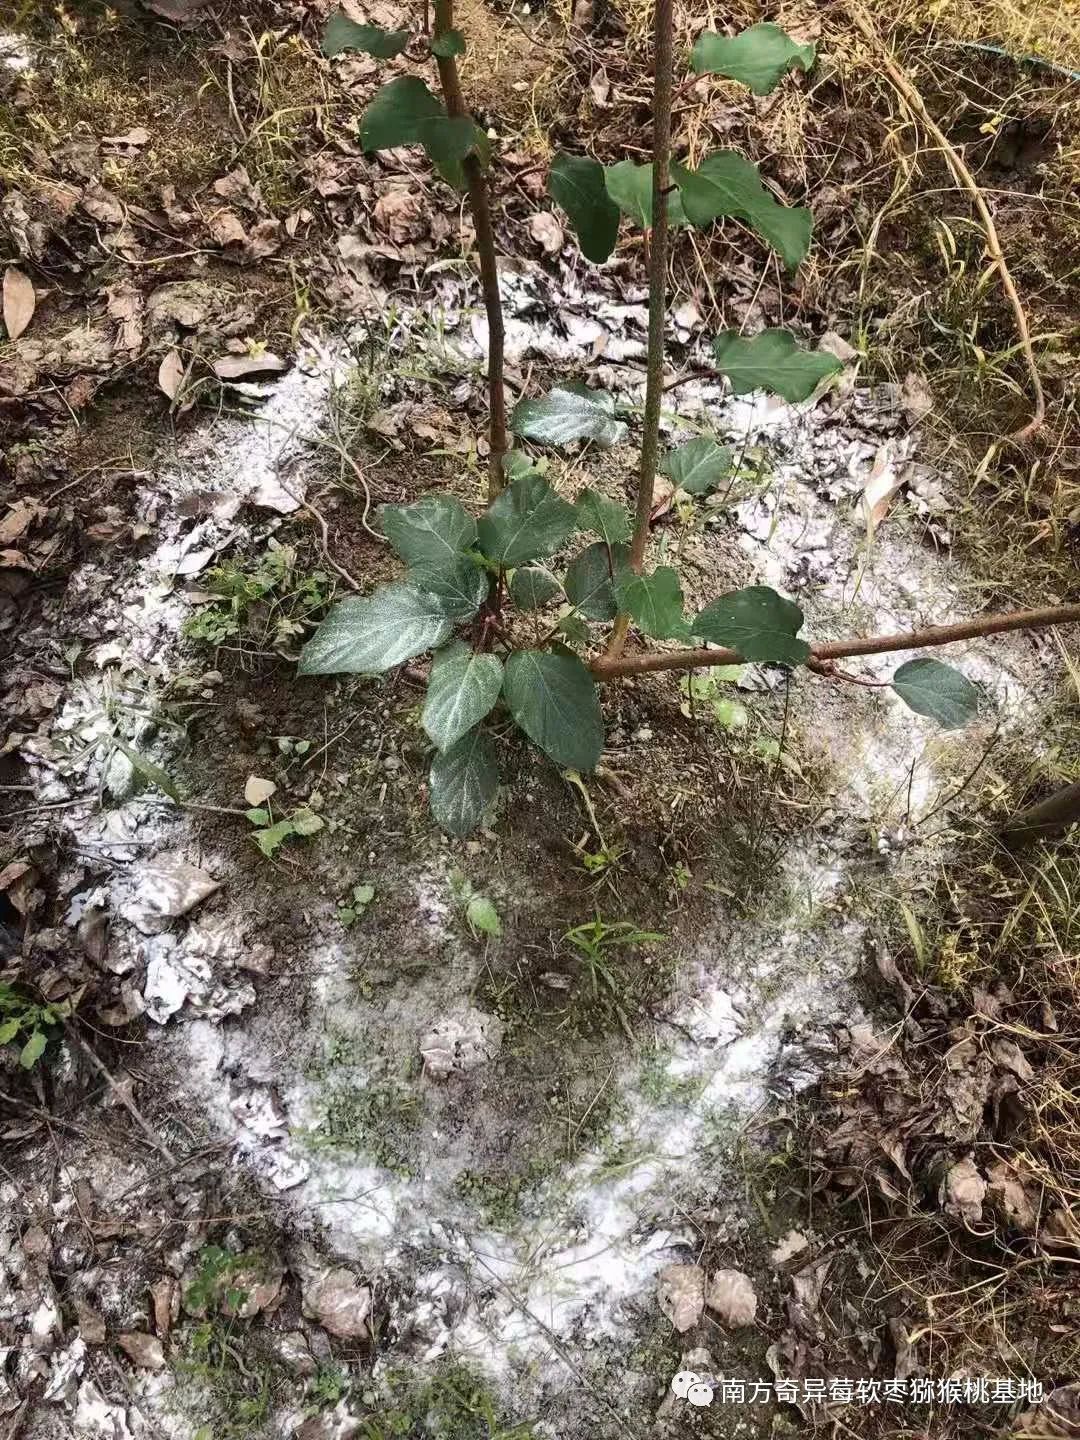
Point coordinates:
pixel 134 139
pixel 226 228
pixel 170 374
pixel 401 216
pixel 19 518
pixel 19 301
pixel 175 10
pixel 884 483
pixel 249 367
pixel 102 205
pixel 962 1191
pixel 916 398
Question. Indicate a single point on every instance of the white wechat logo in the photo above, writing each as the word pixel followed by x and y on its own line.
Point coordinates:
pixel 690 1386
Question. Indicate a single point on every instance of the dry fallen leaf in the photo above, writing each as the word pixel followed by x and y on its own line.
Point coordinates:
pixel 248 367
pixel 19 301
pixel 170 374
pixel 257 790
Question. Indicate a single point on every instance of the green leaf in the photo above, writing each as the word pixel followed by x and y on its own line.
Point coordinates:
pixel 772 361
pixel 448 44
pixel 33 1050
pixel 306 822
pixel 258 815
pixel 759 57
pixel 363 895
pixel 526 521
pixel 482 915
pixel 531 587
pixel 757 622
pixel 574 628
pixel 345 34
pixel 463 782
pixel 270 839
pixel 606 518
pixel 725 183
pixel 553 699
pixel 654 601
pixel 433 531
pixel 397 114
pixel 630 186
pixel 588 581
pixel 698 466
pixel 571 411
pixel 460 586
pixel 577 184
pixel 148 770
pixel 9 1030
pixel 931 688
pixel 365 635
pixel 462 689
pixel 448 139
pixel 516 464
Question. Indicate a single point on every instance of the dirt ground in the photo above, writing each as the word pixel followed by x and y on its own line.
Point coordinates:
pixel 309 1145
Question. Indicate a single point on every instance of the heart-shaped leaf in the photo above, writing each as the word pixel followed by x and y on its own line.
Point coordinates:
pixel 448 139
pixel 463 782
pixel 588 581
pixel 725 183
pixel 345 34
pixel 630 186
pixel 772 361
pixel 571 411
pixel 604 517
pixel 531 587
pixel 526 521
pixel 931 688
pixel 757 622
pixel 397 114
pixel 462 688
pixel 365 635
pixel 553 698
pixel 433 531
pixel 698 466
pixel 655 602
pixel 577 184
pixel 459 585
pixel 759 57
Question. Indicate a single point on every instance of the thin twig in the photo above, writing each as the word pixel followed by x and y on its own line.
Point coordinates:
pixel 606 668
pixel 120 1094
pixel 964 178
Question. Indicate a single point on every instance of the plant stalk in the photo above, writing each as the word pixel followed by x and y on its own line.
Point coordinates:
pixel 658 263
pixel 477 190
pixel 608 667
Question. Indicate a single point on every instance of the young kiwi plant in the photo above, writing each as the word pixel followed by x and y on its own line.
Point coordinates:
pixel 465 574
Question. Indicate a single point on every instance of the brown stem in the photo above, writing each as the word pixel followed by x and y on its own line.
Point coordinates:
pixel 658 262
pixel 610 668
pixel 1049 817
pixel 477 190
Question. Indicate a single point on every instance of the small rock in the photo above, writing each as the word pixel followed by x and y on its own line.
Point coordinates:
pixel 144 1350
pixel 681 1293
pixel 91 1324
pixel 793 1243
pixel 731 1295
pixel 332 1295
pixel 547 232
pixel 460 1042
